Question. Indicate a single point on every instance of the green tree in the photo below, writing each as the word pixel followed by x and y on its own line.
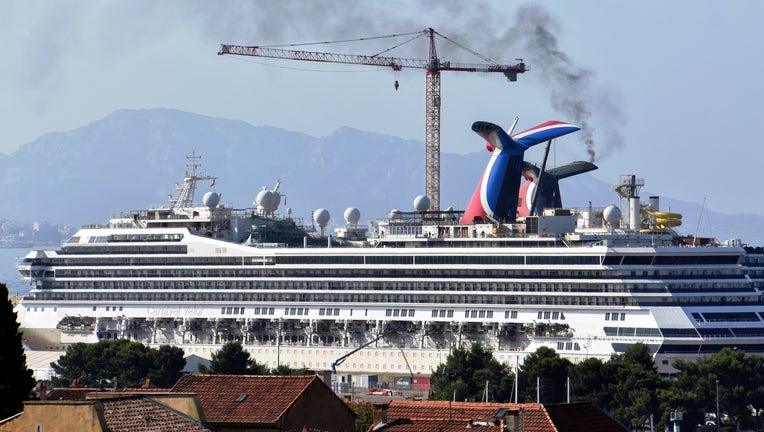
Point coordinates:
pixel 364 415
pixel 126 362
pixel 16 380
pixel 283 370
pixel 467 372
pixel 741 384
pixel 231 359
pixel 586 382
pixel 633 383
pixel 168 364
pixel 551 370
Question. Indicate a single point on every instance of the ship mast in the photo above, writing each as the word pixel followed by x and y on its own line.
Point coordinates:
pixel 186 191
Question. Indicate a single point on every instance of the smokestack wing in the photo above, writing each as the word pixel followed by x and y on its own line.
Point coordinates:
pixel 571 169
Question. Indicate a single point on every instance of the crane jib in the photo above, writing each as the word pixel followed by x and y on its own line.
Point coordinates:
pixel 432 65
pixel 360 59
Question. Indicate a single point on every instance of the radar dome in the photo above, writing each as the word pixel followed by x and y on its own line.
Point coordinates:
pixel 263 198
pixel 422 203
pixel 612 215
pixel 275 201
pixel 394 214
pixel 352 215
pixel 321 217
pixel 211 199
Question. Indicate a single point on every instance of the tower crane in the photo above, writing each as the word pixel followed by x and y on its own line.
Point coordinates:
pixel 432 66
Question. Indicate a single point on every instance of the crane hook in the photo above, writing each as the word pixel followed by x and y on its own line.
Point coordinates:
pixel 396 85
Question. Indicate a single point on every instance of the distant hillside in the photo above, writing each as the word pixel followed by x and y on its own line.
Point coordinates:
pixel 133 158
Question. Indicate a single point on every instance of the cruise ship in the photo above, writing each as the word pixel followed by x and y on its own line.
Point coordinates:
pixel 515 271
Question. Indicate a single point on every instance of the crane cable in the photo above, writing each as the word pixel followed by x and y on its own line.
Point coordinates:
pixel 341 41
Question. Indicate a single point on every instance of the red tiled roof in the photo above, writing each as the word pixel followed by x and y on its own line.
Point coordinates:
pixel 404 425
pixel 581 417
pixel 69 393
pixel 134 413
pixel 444 416
pixel 80 393
pixel 265 398
pixel 146 390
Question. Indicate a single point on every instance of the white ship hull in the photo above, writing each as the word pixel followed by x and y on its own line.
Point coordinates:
pixel 419 286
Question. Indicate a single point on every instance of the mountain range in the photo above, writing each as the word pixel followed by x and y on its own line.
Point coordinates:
pixel 132 159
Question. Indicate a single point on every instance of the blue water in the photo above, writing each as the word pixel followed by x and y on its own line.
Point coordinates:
pixel 9 259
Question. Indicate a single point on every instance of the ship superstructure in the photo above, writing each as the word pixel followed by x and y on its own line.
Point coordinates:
pixel 587 282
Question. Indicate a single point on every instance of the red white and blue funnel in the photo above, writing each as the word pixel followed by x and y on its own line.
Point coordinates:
pixel 496 194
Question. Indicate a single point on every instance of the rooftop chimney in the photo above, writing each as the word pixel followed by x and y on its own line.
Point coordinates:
pixel 379 415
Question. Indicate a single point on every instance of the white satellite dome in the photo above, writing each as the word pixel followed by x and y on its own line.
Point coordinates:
pixel 422 203
pixel 612 215
pixel 352 215
pixel 263 198
pixel 275 201
pixel 211 199
pixel 321 217
pixel 394 214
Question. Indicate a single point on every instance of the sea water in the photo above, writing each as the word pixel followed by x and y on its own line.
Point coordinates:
pixel 9 275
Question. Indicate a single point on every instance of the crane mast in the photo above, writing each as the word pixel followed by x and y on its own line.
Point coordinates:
pixel 433 66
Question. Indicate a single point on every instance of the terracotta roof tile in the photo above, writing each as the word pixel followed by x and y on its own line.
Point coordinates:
pixel 146 390
pixel 263 398
pixel 80 393
pixel 401 425
pixel 133 413
pixel 444 416
pixel 69 393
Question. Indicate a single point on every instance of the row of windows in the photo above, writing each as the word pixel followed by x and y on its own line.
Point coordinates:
pixel 706 348
pixel 609 260
pixel 386 298
pixel 390 286
pixel 568 346
pixel 481 313
pixel 713 332
pixel 296 311
pixel 328 311
pixel 265 311
pixel 232 310
pixel 632 331
pixel 441 259
pixel 399 312
pixel 42 308
pixel 550 315
pixel 122 250
pixel 670 260
pixel 442 313
pixel 260 297
pixel 198 271
pixel 726 316
pixel 108 308
pixel 614 316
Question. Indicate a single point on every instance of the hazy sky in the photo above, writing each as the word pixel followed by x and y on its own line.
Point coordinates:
pixel 666 90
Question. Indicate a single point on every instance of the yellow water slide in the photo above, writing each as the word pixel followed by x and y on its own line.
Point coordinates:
pixel 664 220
